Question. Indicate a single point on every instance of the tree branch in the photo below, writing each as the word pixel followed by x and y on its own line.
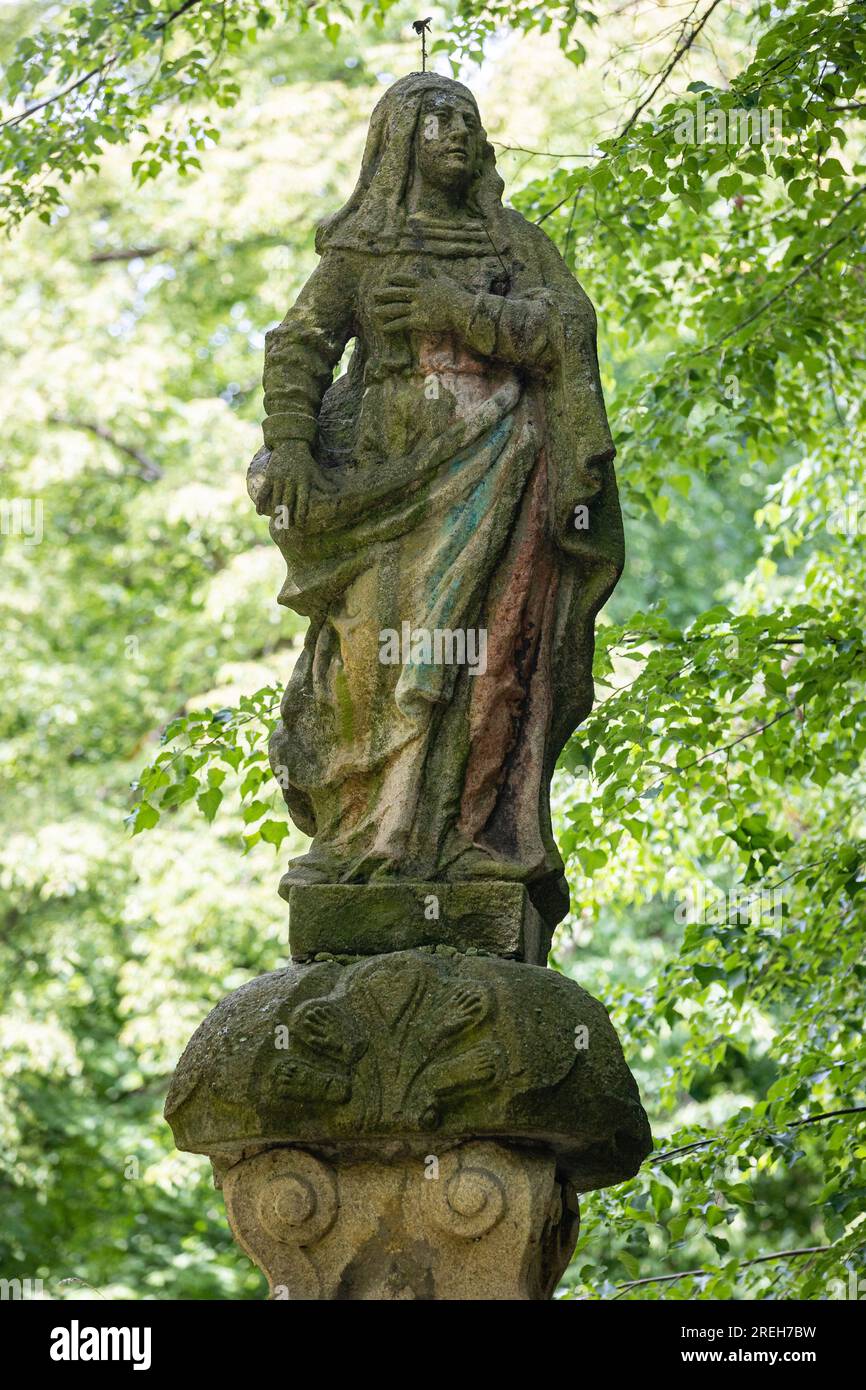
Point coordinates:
pixel 807 269
pixel 127 253
pixel 147 469
pixel 94 72
pixel 678 53
pixel 743 1264
pixel 795 1124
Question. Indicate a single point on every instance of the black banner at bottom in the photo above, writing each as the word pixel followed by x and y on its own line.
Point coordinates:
pixel 81 1339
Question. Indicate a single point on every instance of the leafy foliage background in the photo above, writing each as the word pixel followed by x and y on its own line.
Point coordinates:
pixel 162 168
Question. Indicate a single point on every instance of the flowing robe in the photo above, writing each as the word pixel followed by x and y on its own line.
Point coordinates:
pixel 474 490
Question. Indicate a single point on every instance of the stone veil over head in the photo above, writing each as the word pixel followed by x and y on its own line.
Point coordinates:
pixel 374 216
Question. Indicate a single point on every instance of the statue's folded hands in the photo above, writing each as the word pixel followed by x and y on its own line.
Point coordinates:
pixel 513 330
pixel 410 304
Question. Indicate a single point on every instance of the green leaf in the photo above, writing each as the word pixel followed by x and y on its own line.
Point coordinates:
pixel 274 832
pixel 145 818
pixel 209 802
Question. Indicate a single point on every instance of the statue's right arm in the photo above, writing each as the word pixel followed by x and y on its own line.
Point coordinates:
pixel 300 356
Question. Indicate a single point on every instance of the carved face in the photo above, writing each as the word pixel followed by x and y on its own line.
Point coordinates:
pixel 447 141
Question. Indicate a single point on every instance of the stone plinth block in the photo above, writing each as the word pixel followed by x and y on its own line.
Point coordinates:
pixel 478 1221
pixel 370 918
pixel 406 1047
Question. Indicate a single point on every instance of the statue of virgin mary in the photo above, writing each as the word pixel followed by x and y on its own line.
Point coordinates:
pixel 448 515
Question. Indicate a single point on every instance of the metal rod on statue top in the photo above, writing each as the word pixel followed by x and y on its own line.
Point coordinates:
pixel 421 27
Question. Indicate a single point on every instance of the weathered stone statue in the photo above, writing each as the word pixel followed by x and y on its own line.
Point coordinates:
pixel 409 1108
pixel 456 479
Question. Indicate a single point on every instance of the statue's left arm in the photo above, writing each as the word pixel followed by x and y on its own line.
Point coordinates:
pixel 549 330
pixel 585 514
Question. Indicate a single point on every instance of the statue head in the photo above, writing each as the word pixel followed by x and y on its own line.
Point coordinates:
pixel 448 141
pixel 425 128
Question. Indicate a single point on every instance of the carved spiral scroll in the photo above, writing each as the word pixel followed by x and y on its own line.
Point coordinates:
pixel 280 1203
pixel 466 1201
pixel 295 1196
